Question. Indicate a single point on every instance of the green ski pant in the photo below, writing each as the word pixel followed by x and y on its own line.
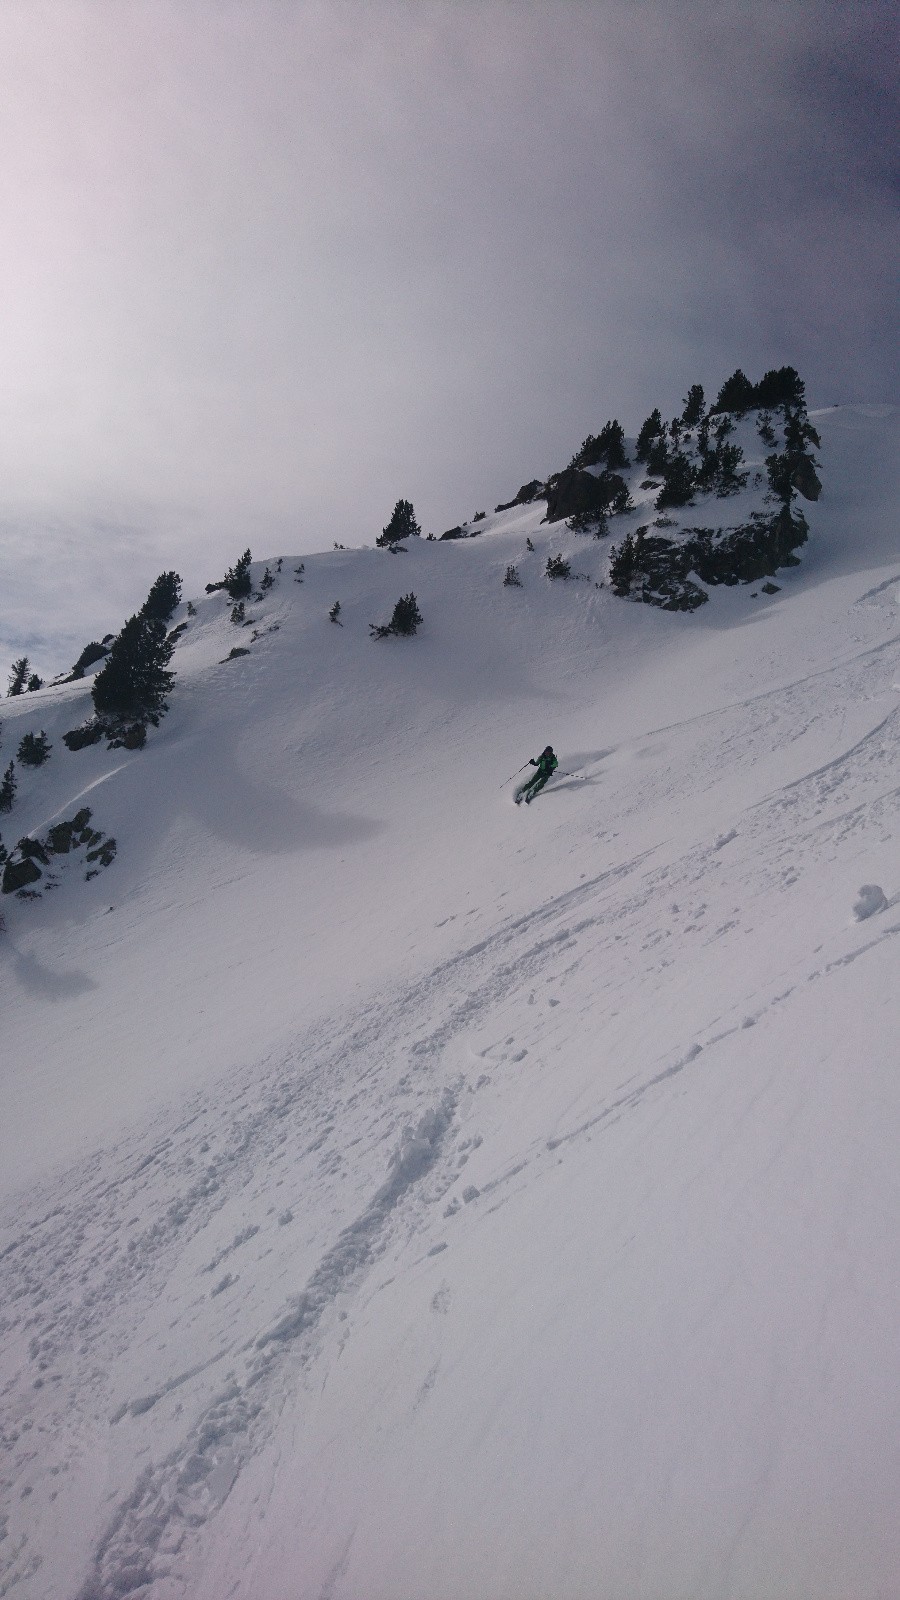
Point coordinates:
pixel 535 785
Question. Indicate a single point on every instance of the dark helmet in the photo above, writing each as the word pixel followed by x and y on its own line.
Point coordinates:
pixel 547 751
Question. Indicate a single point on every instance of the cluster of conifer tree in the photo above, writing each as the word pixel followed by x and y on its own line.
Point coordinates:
pixel 692 454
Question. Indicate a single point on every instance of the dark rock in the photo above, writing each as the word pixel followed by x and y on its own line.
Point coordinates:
pixel 528 492
pixel 237 651
pixel 81 819
pixel 18 874
pixel 674 594
pixel 454 533
pixel 105 853
pixel 59 838
pixel 34 850
pixel 90 655
pixel 78 738
pixel 744 554
pixel 660 574
pixel 771 588
pixel 805 479
pixel 574 493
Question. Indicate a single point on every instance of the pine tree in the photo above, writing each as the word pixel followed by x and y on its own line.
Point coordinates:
pixel 658 457
pixel 266 581
pixel 557 567
pixel 405 620
pixel 237 581
pixel 164 596
pixel 693 406
pixel 608 447
pixel 728 478
pixel 334 614
pixel 679 483
pixel 781 386
pixel 511 578
pixel 134 682
pixel 737 394
pixel 652 429
pixel 407 617
pixel 19 676
pixel 780 469
pixel 621 567
pixel 34 682
pixel 34 749
pixel 8 789
pixel 403 525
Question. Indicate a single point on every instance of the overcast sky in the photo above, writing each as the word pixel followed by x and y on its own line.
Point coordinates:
pixel 265 267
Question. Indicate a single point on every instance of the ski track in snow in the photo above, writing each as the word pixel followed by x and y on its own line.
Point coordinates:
pixel 79 1278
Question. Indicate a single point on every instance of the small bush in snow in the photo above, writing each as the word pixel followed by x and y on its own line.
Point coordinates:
pixel 765 430
pixel 511 578
pixel 405 620
pixel 529 546
pixel 407 616
pixel 334 614
pixel 34 749
pixel 557 567
pixel 870 900
pixel 237 614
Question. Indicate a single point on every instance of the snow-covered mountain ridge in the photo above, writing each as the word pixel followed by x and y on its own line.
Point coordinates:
pixel 411 1196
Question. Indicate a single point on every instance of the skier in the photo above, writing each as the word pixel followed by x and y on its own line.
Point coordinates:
pixel 546 764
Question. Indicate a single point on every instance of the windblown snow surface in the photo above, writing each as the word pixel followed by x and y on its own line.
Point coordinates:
pixel 409 1197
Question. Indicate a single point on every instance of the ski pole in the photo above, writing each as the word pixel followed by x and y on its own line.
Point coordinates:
pixel 514 774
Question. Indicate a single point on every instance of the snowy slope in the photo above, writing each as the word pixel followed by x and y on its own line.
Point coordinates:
pixel 409 1196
